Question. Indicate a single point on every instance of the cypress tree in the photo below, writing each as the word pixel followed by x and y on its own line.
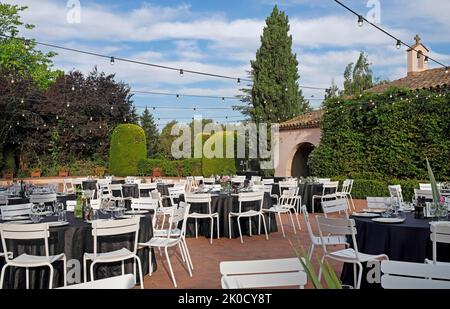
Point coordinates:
pixel 275 95
pixel 151 132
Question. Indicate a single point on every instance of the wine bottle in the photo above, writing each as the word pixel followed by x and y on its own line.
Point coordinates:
pixel 78 211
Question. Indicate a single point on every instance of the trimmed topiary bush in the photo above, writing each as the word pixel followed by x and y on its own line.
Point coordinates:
pixel 218 166
pixel 10 160
pixel 127 148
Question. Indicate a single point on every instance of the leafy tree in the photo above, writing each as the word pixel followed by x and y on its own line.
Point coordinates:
pixel 19 57
pixel 358 77
pixel 333 91
pixel 165 140
pixel 275 95
pixel 151 132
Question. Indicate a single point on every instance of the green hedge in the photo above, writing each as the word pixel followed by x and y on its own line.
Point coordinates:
pixel 171 168
pixel 128 146
pixel 218 166
pixel 10 160
pixel 363 188
pixel 387 134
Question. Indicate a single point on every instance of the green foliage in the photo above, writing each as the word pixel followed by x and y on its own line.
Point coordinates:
pixel 15 57
pixel 170 168
pixel 151 132
pixel 166 139
pixel 127 148
pixel 385 135
pixel 358 77
pixel 218 165
pixel 10 160
pixel 275 95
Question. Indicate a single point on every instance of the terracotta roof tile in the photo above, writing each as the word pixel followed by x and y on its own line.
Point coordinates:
pixel 432 78
pixel 308 120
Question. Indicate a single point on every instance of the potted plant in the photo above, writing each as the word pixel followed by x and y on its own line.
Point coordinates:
pixel 35 172
pixel 63 171
pixel 156 172
pixel 8 174
pixel 99 171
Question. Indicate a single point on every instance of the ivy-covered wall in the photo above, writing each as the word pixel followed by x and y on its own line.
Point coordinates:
pixel 385 136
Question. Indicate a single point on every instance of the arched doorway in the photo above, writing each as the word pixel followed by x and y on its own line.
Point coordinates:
pixel 299 162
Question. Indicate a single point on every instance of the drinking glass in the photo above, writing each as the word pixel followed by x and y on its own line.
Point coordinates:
pixel 48 210
pixel 41 207
pixel 95 215
pixel 35 214
pixel 432 209
pixel 62 216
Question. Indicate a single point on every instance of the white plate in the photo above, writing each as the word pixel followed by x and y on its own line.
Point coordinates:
pixel 16 218
pixel 365 214
pixel 19 222
pixel 136 212
pixel 125 217
pixel 374 210
pixel 57 223
pixel 388 220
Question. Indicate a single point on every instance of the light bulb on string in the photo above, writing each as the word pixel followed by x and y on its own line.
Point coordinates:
pixel 27 44
pixel 17 123
pixel 57 117
pixel 73 88
pixel 45 125
pixel 360 21
pixel 12 81
pixel 223 99
pixel 68 104
pixel 72 126
pixel 446 70
pixel 112 107
pixel 90 118
pixel 181 72
pixel 100 126
pixel 425 60
pixel 125 119
pixel 23 115
pixel 399 44
pixel 238 81
pixel 112 61
pixel 178 96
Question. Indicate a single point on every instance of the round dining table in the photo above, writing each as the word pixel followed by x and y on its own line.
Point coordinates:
pixel 408 241
pixel 223 204
pixel 74 239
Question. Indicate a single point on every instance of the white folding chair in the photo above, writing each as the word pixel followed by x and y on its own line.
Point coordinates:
pixel 70 205
pixel 405 275
pixel 440 233
pixel 249 197
pixel 255 179
pixel 262 274
pixel 68 186
pixel 238 179
pixel 286 185
pixel 42 198
pixel 327 187
pixel 202 199
pixel 209 181
pixel 174 194
pixel 427 194
pixel 145 189
pixel 29 232
pixel 3 199
pixel 11 211
pixel 112 283
pixel 395 191
pixel 333 206
pixel 323 180
pixel 377 202
pixel 286 205
pixel 117 192
pixel 268 181
pixel 346 192
pixel 169 240
pixel 101 228
pixel 344 227
pixel 317 241
pixel 425 186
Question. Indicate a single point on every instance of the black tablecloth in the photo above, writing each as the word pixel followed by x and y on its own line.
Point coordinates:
pixel 163 189
pixel 130 190
pixel 117 181
pixel 74 240
pixel 89 184
pixel 63 198
pixel 408 242
pixel 224 204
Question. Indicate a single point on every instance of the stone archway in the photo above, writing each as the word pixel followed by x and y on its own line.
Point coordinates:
pixel 299 166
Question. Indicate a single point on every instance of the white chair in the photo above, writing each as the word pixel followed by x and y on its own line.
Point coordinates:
pixel 323 180
pixel 174 194
pixel 145 203
pixel 42 198
pixel 286 205
pixel 423 193
pixel 327 187
pixel 169 240
pixel 3 199
pixel 316 240
pixel 249 197
pixel 346 192
pixel 344 227
pixel 202 199
pixel 95 203
pixel 117 192
pixel 238 179
pixel 68 186
pixel 333 206
pixel 377 202
pixel 405 275
pixel 29 232
pixel 286 185
pixel 440 233
pixel 395 191
pixel 425 186
pixel 255 179
pixel 102 228
pixel 268 181
pixel 10 211
pixel 70 205
pixel 112 283
pixel 262 274
pixel 146 188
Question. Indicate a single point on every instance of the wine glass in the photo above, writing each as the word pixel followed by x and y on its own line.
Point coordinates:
pixel 35 215
pixel 432 208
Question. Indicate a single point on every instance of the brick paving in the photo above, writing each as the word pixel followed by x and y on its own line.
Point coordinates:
pixel 206 257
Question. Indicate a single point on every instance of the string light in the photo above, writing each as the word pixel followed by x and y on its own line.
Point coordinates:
pixel 223 99
pixel 426 60
pixel 22 101
pixel 27 44
pixel 90 118
pixel 178 96
pixel 68 104
pixel 112 61
pixel 446 70
pixel 12 80
pixel 181 72
pixel 399 44
pixel 238 81
pixel 73 88
pixel 360 21
pixel 57 117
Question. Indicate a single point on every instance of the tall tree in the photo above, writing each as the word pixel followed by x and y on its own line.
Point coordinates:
pixel 165 140
pixel 151 132
pixel 333 91
pixel 358 77
pixel 275 95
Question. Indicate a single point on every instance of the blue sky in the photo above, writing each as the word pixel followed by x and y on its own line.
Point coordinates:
pixel 222 37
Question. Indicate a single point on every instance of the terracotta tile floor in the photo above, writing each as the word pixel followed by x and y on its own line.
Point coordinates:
pixel 206 257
